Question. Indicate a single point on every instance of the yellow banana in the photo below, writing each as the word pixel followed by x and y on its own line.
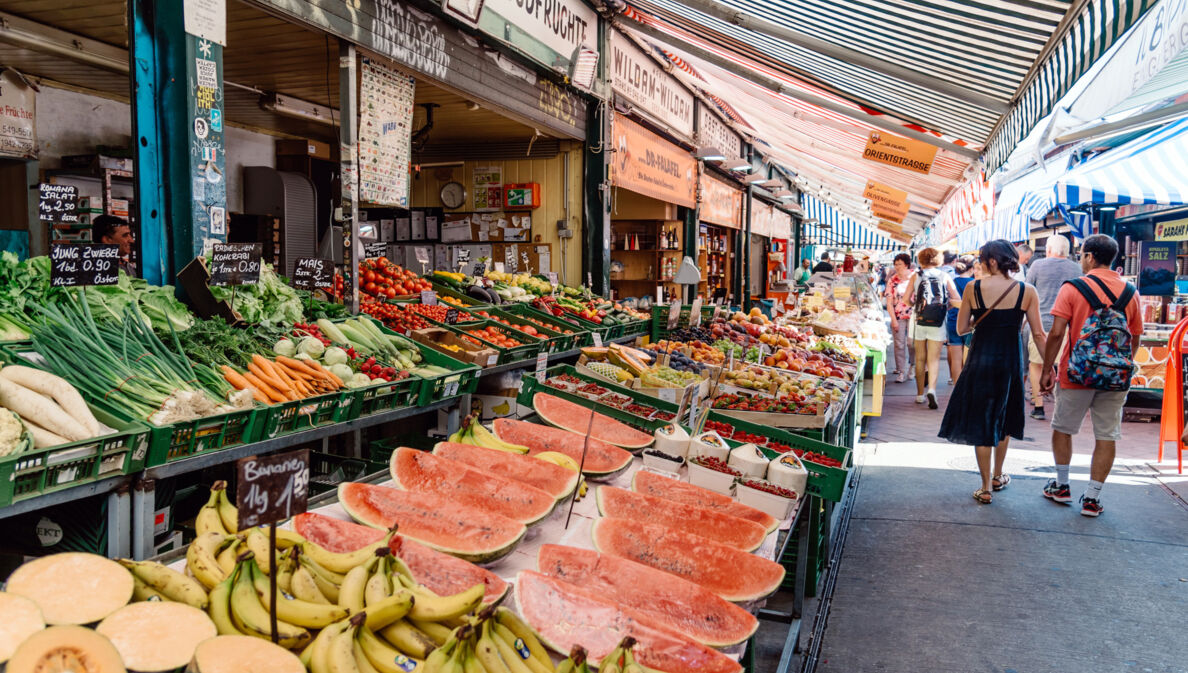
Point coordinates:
pixel 384 657
pixel 286 538
pixel 258 543
pixel 470 662
pixel 379 585
pixel 343 562
pixel 350 592
pixel 294 610
pixel 485 438
pixel 488 654
pixel 430 608
pixel 247 611
pixel 201 558
pixel 521 630
pixel 304 586
pixel 175 586
pixel 315 656
pixel 327 582
pixel 514 652
pixel 558 458
pixel 630 665
pixel 220 608
pixel 143 592
pixel 284 572
pixel 361 659
pixel 208 520
pixel 340 653
pixel 389 610
pixel 226 558
pixel 227 511
pixel 406 638
pixel 439 633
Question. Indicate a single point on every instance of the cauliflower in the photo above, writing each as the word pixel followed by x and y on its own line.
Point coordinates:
pixel 13 438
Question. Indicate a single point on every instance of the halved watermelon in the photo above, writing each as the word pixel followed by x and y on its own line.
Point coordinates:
pixel 575 418
pixel 619 503
pixel 443 574
pixel 435 520
pixel 554 479
pixel 602 459
pixel 419 471
pixel 732 574
pixel 660 486
pixel 669 601
pixel 565 617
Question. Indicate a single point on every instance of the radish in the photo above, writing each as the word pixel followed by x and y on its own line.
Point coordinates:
pixel 57 388
pixel 31 406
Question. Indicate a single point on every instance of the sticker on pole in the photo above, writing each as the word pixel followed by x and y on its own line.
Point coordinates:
pixel 272 488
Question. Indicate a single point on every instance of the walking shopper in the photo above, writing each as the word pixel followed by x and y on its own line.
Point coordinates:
pixel 956 343
pixel 1047 275
pixel 901 313
pixel 986 407
pixel 932 293
pixel 1101 312
pixel 1025 252
pixel 823 266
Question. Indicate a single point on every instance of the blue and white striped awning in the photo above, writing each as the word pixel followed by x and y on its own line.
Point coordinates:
pixel 1150 169
pixel 841 230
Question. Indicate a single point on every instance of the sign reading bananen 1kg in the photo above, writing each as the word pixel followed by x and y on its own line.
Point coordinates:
pixel 272 488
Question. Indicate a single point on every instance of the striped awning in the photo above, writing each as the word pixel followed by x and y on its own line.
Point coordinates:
pixel 979 73
pixel 1150 169
pixel 834 228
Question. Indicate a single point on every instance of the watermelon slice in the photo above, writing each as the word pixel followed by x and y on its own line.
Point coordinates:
pixel 575 418
pixel 445 575
pixel 435 520
pixel 565 617
pixel 553 479
pixel 734 575
pixel 660 486
pixel 619 503
pixel 602 459
pixel 669 601
pixel 414 470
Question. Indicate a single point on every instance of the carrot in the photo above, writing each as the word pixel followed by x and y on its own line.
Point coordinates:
pixel 281 375
pixel 332 376
pixel 235 378
pixel 277 387
pixel 303 365
pixel 264 388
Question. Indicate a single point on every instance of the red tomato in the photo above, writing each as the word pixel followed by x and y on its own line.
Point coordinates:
pixel 382 261
pixel 370 288
pixel 369 277
pixel 390 292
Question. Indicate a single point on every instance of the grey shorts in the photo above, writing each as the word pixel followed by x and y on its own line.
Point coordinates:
pixel 1104 407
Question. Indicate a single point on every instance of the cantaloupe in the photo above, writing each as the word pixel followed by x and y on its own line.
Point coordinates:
pixel 243 654
pixel 157 636
pixel 73 587
pixel 66 648
pixel 19 619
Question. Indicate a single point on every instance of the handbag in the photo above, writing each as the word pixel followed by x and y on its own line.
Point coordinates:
pixel 998 301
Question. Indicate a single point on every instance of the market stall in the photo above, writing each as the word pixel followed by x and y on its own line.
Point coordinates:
pixel 721 218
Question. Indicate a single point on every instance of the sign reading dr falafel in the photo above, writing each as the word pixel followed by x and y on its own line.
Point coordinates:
pixel 647 164
pixel 893 150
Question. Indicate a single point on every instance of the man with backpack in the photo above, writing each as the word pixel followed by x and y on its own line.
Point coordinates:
pixel 1100 313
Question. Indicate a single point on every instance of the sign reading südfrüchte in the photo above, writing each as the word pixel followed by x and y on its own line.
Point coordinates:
pixel 894 150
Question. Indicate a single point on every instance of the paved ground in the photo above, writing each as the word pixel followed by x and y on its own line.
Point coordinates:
pixel 930 581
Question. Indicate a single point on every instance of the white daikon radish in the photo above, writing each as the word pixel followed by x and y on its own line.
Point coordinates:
pixel 57 388
pixel 33 406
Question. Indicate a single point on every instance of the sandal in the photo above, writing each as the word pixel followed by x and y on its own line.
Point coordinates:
pixel 983 496
pixel 1000 482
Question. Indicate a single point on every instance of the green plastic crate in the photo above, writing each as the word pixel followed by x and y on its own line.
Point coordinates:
pixel 659 322
pixel 40 471
pixel 289 417
pixel 203 435
pixel 328 470
pixel 386 396
pixel 554 340
pixel 582 337
pixel 462 379
pixel 521 353
pixel 443 290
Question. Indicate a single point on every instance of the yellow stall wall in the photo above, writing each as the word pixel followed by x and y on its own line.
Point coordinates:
pixel 550 175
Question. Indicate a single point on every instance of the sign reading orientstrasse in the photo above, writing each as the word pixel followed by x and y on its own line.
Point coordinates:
pixel 893 150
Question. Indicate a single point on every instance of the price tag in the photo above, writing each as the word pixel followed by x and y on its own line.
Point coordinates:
pixel 779 307
pixel 693 407
pixel 452 316
pixel 451 389
pixel 717 311
pixel 542 363
pixel 839 305
pixel 524 258
pixel 509 259
pixel 597 339
pixel 310 273
pixel 272 488
pixel 814 301
pixel 674 315
pixel 235 264
pixel 57 203
pixel 668 395
pixel 429 297
pixel 78 264
pixel 841 291
pixel 422 254
pixel 695 313
pixel 552 276
pixel 375 249
pixel 480 269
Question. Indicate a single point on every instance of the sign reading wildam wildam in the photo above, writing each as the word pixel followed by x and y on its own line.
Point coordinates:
pixel 639 79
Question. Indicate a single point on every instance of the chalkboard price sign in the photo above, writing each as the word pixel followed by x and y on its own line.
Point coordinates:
pixel 272 488
pixel 452 316
pixel 78 264
pixel 311 273
pixel 235 264
pixel 375 249
pixel 57 203
pixel 480 269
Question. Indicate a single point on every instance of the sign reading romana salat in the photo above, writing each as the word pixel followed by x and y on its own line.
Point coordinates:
pixel 639 79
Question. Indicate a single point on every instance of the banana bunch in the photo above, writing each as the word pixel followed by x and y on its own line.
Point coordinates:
pixel 622 660
pixel 218 515
pixel 474 433
pixel 576 663
pixel 558 458
pixel 153 581
pixel 239 605
pixel 497 641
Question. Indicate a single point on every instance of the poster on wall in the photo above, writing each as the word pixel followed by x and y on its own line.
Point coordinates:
pixel 385 134
pixel 18 115
pixel 1157 269
pixel 487 189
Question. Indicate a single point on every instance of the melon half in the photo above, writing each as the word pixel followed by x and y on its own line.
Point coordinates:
pixel 414 470
pixel 576 418
pixel 602 459
pixel 73 587
pixel 66 648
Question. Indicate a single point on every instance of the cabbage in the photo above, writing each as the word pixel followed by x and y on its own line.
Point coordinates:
pixel 334 356
pixel 342 371
pixel 359 380
pixel 313 347
pixel 285 347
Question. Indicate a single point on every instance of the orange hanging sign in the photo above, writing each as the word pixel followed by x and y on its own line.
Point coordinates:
pixel 647 164
pixel 886 202
pixel 894 150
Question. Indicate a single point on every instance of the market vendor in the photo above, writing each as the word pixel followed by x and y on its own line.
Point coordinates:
pixel 803 273
pixel 114 230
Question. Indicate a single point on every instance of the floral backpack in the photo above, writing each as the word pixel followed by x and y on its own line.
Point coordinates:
pixel 1102 357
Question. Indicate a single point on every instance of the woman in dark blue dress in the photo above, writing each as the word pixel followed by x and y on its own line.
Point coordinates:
pixel 986 408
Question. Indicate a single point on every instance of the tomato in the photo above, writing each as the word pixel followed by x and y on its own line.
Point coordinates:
pixel 370 288
pixel 390 292
pixel 369 277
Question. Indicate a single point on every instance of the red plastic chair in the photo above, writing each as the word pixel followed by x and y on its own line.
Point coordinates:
pixel 1171 421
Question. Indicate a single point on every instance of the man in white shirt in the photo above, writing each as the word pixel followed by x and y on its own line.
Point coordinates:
pixel 1025 253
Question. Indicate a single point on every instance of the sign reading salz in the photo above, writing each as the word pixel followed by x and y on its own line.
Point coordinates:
pixel 79 264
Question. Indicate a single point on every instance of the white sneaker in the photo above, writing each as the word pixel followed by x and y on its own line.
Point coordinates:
pixel 920 399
